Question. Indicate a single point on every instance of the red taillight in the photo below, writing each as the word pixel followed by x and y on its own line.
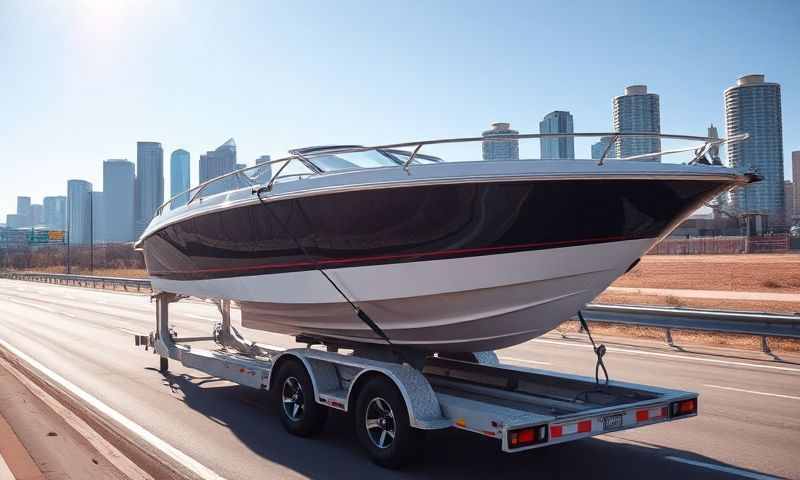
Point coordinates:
pixel 684 407
pixel 585 426
pixel 642 415
pixel 527 436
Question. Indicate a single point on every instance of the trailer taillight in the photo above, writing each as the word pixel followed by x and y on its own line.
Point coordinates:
pixel 683 408
pixel 527 436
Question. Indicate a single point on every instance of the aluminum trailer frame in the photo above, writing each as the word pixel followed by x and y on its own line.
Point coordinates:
pixel 522 407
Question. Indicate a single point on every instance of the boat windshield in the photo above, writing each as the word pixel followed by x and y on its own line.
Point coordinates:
pixel 351 160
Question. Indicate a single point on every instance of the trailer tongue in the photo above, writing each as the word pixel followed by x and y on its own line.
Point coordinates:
pixel 393 401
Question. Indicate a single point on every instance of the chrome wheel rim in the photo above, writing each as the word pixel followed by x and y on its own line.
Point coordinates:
pixel 380 424
pixel 292 398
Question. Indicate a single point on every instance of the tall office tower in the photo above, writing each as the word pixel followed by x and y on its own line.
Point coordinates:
pixel 55 212
pixel 500 149
pixel 98 218
pixel 119 183
pixel 600 147
pixel 149 182
pixel 796 182
pixel 263 174
pixel 263 159
pixel 754 106
pixel 216 163
pixel 24 211
pixel 637 111
pixel 179 176
pixel 240 166
pixel 79 211
pixel 13 221
pixel 557 147
pixel 37 214
pixel 788 195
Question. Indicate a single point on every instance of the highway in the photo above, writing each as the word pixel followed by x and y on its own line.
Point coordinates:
pixel 748 427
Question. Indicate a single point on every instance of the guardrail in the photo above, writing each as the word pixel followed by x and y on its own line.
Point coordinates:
pixel 763 325
pixel 127 284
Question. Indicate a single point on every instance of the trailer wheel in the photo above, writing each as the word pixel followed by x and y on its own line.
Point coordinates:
pixel 382 425
pixel 300 414
pixel 163 364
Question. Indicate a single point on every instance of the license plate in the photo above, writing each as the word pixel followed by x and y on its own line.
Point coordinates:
pixel 612 422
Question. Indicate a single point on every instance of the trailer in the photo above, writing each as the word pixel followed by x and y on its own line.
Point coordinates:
pixel 395 395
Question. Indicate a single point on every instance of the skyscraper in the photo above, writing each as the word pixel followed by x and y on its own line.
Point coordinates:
pixel 55 212
pixel 24 211
pixel 149 182
pixel 119 182
pixel 600 147
pixel 560 147
pixel 97 210
pixel 263 159
pixel 637 111
pixel 179 175
pixel 754 106
pixel 216 163
pixel 263 174
pixel 37 214
pixel 500 149
pixel 788 195
pixel 79 220
pixel 796 182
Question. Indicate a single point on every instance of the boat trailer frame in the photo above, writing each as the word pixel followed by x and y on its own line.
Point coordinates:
pixel 475 393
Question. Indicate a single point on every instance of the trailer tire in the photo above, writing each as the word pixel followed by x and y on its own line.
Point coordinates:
pixel 298 410
pixel 390 440
pixel 163 364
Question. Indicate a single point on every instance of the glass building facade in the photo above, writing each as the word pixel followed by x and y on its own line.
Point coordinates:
pixel 637 111
pixel 500 149
pixel 600 147
pixel 557 122
pixel 216 163
pixel 55 212
pixel 149 182
pixel 79 212
pixel 179 175
pixel 119 180
pixel 753 106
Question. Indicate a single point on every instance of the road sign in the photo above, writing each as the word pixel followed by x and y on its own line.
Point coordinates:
pixel 56 235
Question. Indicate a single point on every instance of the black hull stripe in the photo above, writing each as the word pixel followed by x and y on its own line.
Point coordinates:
pixel 383 259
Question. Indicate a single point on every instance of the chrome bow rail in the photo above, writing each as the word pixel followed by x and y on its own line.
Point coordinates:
pixel 304 156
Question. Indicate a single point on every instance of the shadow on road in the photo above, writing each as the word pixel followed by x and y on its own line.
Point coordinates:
pixel 335 453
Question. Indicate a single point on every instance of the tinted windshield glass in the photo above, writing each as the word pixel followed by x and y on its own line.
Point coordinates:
pixel 344 161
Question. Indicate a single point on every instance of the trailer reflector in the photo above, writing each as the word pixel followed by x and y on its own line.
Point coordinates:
pixel 585 426
pixel 527 436
pixel 684 407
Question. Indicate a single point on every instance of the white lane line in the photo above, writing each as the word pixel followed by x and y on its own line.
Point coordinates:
pixel 722 468
pixel 67 314
pixel 199 469
pixel 125 330
pixel 110 452
pixel 534 362
pixel 32 305
pixel 755 392
pixel 5 472
pixel 669 355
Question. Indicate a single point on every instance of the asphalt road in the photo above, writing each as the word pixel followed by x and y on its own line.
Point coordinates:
pixel 748 427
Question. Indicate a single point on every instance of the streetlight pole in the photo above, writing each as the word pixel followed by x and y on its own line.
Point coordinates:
pixel 91 233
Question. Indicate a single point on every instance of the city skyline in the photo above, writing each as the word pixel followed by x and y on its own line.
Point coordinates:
pixel 89 80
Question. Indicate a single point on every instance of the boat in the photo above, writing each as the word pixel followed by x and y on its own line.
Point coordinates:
pixel 385 244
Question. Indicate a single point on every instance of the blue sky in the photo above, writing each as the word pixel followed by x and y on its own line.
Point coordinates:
pixel 82 81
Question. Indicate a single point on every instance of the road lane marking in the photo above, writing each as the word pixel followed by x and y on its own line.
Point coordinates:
pixel 534 362
pixel 67 314
pixel 106 449
pixel 669 355
pixel 190 463
pixel 779 395
pixel 722 468
pixel 125 330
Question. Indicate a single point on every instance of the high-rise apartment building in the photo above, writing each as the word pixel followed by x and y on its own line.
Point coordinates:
pixel 263 159
pixel 179 176
pixel 37 214
pixel 216 163
pixel 753 106
pixel 637 111
pixel 98 213
pixel 788 195
pixel 24 211
pixel 600 147
pixel 557 147
pixel 496 148
pixel 119 185
pixel 149 182
pixel 55 212
pixel 79 212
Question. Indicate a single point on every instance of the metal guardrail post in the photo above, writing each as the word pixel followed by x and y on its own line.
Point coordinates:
pixel 765 344
pixel 669 337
